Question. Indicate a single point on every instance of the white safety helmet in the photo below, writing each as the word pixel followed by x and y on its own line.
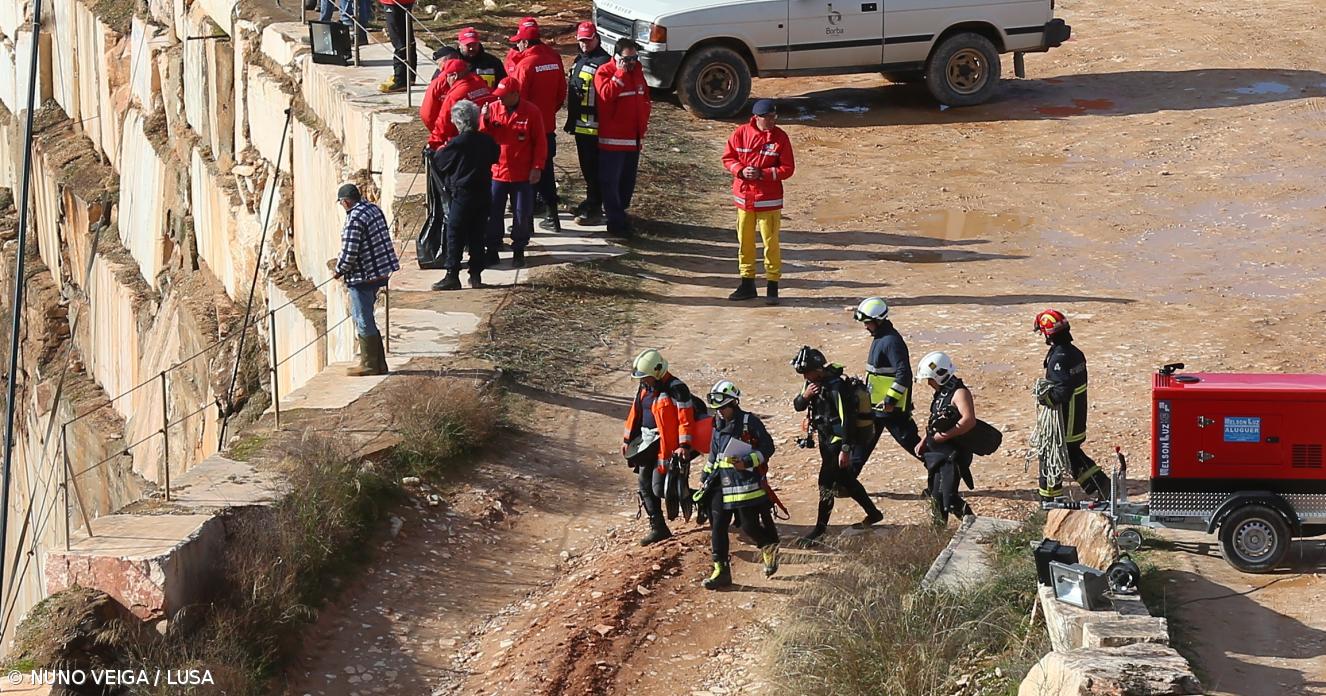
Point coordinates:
pixel 937 366
pixel 872 309
pixel 724 392
pixel 649 363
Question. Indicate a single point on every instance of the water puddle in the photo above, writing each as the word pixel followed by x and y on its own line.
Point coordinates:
pixel 849 108
pixel 1080 106
pixel 964 224
pixel 1265 88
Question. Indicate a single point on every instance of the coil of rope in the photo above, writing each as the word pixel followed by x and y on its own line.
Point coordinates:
pixel 1047 440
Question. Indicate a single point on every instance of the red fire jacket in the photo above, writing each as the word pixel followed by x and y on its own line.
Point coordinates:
pixel 520 134
pixel 769 151
pixel 542 81
pixel 437 114
pixel 623 107
pixel 674 414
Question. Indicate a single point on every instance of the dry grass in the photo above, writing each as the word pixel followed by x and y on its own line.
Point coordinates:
pixel 552 333
pixel 865 627
pixel 441 421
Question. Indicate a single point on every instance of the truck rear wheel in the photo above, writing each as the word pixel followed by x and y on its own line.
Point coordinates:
pixel 1254 538
pixel 714 83
pixel 963 70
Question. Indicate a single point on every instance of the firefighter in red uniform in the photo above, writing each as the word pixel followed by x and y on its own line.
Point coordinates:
pixel 1066 375
pixel 660 425
pixel 513 53
pixel 517 127
pixel 759 158
pixel 623 119
pixel 542 81
pixel 456 82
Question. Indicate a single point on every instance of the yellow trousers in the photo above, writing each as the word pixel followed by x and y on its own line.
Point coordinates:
pixel 769 222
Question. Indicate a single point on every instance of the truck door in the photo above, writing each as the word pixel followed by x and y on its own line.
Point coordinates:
pixel 1239 439
pixel 911 25
pixel 834 34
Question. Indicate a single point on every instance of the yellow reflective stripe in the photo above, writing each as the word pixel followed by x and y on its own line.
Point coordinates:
pixel 1051 492
pixel 756 458
pixel 743 497
pixel 1072 417
pixel 1086 475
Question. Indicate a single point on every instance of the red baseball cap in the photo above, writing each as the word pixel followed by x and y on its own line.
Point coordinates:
pixel 527 32
pixel 507 85
pixel 455 66
pixel 586 30
pixel 468 35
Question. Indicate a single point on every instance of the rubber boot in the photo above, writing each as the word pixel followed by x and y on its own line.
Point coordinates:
pixel 451 281
pixel 378 354
pixel 658 530
pixel 873 515
pixel 771 293
pixel 744 291
pixel 770 556
pixel 720 577
pixel 518 258
pixel 821 521
pixel 365 367
pixel 476 280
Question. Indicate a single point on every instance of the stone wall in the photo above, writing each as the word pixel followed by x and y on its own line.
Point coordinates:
pixel 163 124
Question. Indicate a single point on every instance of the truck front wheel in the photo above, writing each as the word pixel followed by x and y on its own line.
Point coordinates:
pixel 714 83
pixel 1254 538
pixel 963 70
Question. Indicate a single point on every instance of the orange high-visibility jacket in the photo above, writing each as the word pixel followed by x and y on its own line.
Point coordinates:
pixel 674 413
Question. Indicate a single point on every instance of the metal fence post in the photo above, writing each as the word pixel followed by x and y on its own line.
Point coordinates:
pixel 64 479
pixel 386 323
pixel 276 384
pixel 410 49
pixel 165 436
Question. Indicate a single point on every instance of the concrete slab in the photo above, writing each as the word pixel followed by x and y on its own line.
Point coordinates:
pixel 425 332
pixel 331 388
pixel 963 562
pixel 218 483
pixel 152 564
pixel 576 244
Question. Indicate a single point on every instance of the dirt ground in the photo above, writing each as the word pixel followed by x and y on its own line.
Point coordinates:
pixel 1157 178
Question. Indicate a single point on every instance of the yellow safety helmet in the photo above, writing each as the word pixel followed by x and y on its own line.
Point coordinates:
pixel 649 363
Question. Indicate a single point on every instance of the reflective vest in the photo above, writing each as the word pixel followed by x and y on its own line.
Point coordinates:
pixel 582 116
pixel 740 488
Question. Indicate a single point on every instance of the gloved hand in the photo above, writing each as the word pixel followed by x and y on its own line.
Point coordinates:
pixel 698 494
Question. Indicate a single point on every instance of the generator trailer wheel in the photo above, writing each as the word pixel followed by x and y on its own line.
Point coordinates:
pixel 1254 538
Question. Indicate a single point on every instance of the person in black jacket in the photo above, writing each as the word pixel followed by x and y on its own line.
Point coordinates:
pixel 844 438
pixel 888 376
pixel 582 119
pixel 734 484
pixel 1066 371
pixel 481 62
pixel 464 169
pixel 947 459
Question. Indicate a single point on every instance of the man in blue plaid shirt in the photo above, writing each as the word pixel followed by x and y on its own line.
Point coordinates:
pixel 367 260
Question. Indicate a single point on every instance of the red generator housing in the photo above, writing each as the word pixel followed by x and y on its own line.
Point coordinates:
pixel 1242 453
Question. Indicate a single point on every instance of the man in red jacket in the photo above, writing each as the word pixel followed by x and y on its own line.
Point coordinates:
pixel 543 82
pixel 456 82
pixel 517 127
pixel 513 53
pixel 759 158
pixel 623 118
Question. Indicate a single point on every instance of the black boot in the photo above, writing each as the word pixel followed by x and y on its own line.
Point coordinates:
pixel 658 530
pixel 821 521
pixel 476 280
pixel 862 498
pixel 551 222
pixel 449 282
pixel 744 291
pixel 589 216
pixel 517 258
pixel 492 258
pixel 771 294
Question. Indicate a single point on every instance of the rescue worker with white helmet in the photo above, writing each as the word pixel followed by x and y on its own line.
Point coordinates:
pixel 733 482
pixel 888 376
pixel 1066 373
pixel 661 425
pixel 952 415
pixel 844 436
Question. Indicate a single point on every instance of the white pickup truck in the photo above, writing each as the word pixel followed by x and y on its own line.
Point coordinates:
pixel 708 50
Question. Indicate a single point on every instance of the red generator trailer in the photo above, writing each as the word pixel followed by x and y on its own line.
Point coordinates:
pixel 1240 454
